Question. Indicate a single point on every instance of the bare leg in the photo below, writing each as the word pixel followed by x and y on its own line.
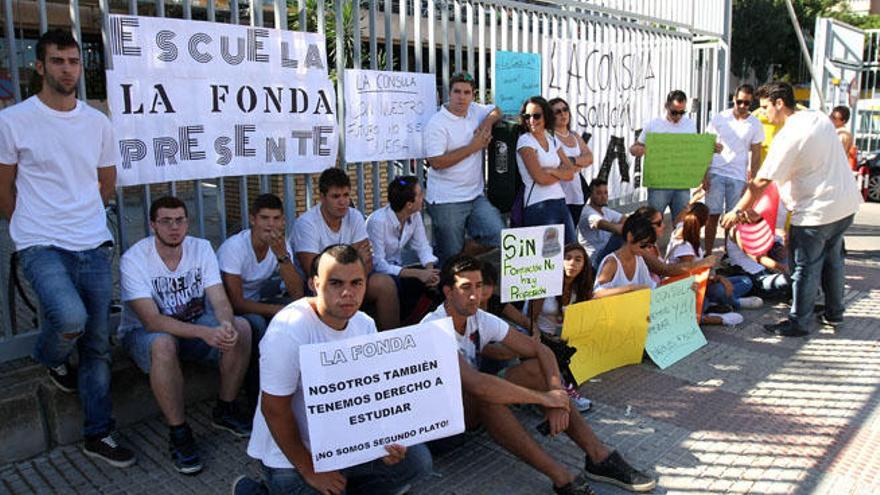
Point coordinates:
pixel 234 364
pixel 166 379
pixel 382 292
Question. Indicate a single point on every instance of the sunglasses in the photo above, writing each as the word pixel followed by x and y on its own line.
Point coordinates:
pixel 677 112
pixel 657 224
pixel 533 116
pixel 743 102
pixel 559 111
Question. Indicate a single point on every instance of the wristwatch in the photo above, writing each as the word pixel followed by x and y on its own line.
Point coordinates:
pixel 283 259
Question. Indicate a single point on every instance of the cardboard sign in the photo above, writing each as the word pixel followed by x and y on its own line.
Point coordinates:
pixel 193 100
pixel 677 161
pixel 531 262
pixel 395 387
pixel 701 277
pixel 673 332
pixel 517 78
pixel 385 114
pixel 608 333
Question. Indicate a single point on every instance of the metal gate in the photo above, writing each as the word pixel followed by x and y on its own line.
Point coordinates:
pixel 434 36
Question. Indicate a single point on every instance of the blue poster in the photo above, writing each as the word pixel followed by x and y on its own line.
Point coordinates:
pixel 517 77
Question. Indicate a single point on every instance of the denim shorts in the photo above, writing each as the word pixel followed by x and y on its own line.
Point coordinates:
pixel 138 343
pixel 724 193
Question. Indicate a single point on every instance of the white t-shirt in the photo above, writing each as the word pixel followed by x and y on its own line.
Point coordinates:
pixel 574 193
pixel 548 158
pixel 180 293
pixel 664 126
pixel 481 328
pixel 590 236
pixel 237 257
pixel 446 132
pixel 58 201
pixel 294 326
pixel 679 248
pixel 641 276
pixel 737 136
pixel 312 234
pixel 549 320
pixel 809 164
pixel 738 257
pixel 388 238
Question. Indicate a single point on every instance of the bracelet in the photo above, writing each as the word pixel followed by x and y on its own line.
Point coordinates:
pixel 283 259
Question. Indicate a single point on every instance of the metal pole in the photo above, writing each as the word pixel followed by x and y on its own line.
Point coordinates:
pixel 805 52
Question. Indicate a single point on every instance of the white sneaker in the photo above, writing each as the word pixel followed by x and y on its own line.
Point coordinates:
pixel 752 302
pixel 582 403
pixel 728 319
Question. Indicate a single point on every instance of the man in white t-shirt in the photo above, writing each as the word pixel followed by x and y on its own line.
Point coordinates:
pixel 56 172
pixel 455 138
pixel 251 263
pixel 674 122
pixel 334 221
pixel 599 224
pixel 176 308
pixel 461 281
pixel 396 227
pixel 741 134
pixel 280 440
pixel 817 186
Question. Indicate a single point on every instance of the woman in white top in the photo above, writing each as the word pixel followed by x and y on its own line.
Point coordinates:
pixel 577 151
pixel 625 270
pixel 542 166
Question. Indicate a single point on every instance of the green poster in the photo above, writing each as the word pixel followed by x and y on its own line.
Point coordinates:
pixel 677 161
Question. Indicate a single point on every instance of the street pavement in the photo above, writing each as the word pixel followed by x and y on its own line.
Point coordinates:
pixel 747 413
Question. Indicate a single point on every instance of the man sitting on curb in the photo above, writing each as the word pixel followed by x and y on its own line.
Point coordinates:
pixel 461 282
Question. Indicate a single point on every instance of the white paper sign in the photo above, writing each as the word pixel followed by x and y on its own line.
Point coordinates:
pixel 361 394
pixel 531 262
pixel 192 100
pixel 385 114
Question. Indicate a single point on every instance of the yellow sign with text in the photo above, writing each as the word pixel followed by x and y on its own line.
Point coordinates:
pixel 608 333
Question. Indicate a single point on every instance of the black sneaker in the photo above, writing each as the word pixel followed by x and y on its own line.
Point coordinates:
pixel 720 308
pixel 247 486
pixel 580 486
pixel 183 452
pixel 229 419
pixel 64 378
pixel 785 328
pixel 618 472
pixel 107 449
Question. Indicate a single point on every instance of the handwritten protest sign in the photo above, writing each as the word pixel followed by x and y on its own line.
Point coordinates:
pixel 608 333
pixel 673 332
pixel 701 277
pixel 191 100
pixel 531 262
pixel 361 394
pixel 386 113
pixel 677 161
pixel 517 77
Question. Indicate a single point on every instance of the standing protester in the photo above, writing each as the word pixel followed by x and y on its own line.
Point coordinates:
pixel 176 309
pixel 577 151
pixel 741 134
pixel 674 122
pixel 808 163
pixel 543 167
pixel 56 172
pixel 455 138
pixel 840 118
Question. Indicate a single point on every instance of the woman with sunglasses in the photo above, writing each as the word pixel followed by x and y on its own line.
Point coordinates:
pixel 576 149
pixel 542 166
pixel 625 270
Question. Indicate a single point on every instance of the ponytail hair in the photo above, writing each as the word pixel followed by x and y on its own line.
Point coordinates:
pixel 695 218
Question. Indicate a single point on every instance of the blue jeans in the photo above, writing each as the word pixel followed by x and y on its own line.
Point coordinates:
pixel 724 192
pixel 549 212
pixel 449 221
pixel 675 199
pixel 715 293
pixel 74 289
pixel 817 252
pixel 373 478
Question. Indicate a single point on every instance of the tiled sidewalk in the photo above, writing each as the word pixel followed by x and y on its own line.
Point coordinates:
pixel 747 413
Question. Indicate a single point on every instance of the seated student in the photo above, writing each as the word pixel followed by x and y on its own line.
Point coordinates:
pixel 399 225
pixel 599 227
pixel 769 272
pixel 334 221
pixel 280 440
pixel 248 269
pixel 547 313
pixel 176 309
pixel 657 264
pixel 461 281
pixel 625 270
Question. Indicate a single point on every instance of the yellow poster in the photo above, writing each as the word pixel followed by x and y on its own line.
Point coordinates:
pixel 608 333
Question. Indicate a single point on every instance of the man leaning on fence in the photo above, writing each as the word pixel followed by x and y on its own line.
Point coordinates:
pixel 56 171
